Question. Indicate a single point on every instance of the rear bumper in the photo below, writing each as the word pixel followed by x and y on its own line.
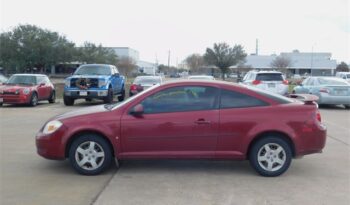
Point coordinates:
pixel 333 100
pixel 312 140
pixel 15 99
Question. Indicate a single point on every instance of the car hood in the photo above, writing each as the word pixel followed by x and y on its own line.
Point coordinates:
pixel 82 111
pixel 89 76
pixel 14 87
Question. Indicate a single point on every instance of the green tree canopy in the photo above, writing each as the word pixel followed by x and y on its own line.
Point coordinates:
pixel 223 56
pixel 342 67
pixel 28 46
pixel 90 53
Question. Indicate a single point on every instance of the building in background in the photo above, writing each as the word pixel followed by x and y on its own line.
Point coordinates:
pixel 303 63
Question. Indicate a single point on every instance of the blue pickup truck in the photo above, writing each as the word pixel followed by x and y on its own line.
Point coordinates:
pixel 94 81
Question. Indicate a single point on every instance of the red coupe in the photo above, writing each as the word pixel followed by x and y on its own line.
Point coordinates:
pixel 188 120
pixel 27 89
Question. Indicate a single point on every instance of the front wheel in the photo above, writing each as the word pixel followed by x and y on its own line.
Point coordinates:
pixel 90 154
pixel 33 100
pixel 270 156
pixel 122 96
pixel 109 97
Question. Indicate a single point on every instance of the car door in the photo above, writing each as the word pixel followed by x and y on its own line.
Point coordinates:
pixel 42 88
pixel 239 114
pixel 177 122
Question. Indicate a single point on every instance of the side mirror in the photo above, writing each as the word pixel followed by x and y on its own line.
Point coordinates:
pixel 137 110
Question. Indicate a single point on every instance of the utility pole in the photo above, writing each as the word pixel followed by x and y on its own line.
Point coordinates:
pixel 257 47
pixel 169 59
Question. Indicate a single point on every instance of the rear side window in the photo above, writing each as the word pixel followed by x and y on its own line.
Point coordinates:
pixel 232 99
pixel 269 77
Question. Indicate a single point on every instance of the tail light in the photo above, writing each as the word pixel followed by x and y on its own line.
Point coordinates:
pixel 318 115
pixel 285 82
pixel 256 82
pixel 324 90
pixel 133 87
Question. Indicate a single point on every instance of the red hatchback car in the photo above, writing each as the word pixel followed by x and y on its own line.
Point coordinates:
pixel 27 89
pixel 187 120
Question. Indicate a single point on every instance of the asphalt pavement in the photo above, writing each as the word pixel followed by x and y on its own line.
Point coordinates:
pixel 26 178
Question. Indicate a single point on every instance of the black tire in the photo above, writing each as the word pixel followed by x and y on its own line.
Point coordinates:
pixel 88 99
pixel 122 96
pixel 270 157
pixel 109 97
pixel 52 98
pixel 68 101
pixel 100 146
pixel 347 106
pixel 33 99
pixel 1 104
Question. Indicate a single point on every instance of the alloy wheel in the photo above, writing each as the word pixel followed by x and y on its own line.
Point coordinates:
pixel 89 155
pixel 271 157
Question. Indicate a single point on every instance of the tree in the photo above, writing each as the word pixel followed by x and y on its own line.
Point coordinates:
pixel 281 63
pixel 90 53
pixel 195 62
pixel 28 46
pixel 126 66
pixel 223 56
pixel 342 67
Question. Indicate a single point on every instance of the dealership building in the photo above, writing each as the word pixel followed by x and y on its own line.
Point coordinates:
pixel 310 63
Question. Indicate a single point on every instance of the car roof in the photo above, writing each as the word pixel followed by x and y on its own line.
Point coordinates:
pixel 330 78
pixel 96 64
pixel 29 74
pixel 266 71
pixel 148 77
pixel 200 82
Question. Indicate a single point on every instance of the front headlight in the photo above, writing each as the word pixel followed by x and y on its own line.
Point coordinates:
pixel 101 83
pixel 26 91
pixel 52 126
pixel 67 82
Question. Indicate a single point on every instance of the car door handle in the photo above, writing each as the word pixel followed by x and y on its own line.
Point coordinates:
pixel 202 121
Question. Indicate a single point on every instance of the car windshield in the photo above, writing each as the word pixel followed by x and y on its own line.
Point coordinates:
pixel 269 77
pixel 22 79
pixel 329 81
pixel 147 80
pixel 93 70
pixel 119 104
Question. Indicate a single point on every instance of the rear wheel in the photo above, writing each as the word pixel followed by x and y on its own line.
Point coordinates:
pixel 109 97
pixel 347 106
pixel 52 98
pixel 33 99
pixel 88 99
pixel 271 156
pixel 68 101
pixel 90 154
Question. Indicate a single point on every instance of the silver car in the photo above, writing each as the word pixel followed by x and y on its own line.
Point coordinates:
pixel 201 77
pixel 330 90
pixel 142 83
pixel 272 81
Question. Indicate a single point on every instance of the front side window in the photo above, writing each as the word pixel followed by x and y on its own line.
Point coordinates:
pixel 232 99
pixel 181 99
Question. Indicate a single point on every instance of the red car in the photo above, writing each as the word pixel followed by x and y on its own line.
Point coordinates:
pixel 188 120
pixel 27 89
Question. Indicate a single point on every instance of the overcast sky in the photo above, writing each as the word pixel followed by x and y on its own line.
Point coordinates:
pixel 154 26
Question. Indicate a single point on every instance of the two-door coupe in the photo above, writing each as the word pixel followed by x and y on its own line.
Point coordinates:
pixel 27 89
pixel 188 120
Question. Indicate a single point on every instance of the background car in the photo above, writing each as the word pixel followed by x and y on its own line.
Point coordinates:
pixel 330 90
pixel 3 79
pixel 201 77
pixel 142 83
pixel 343 75
pixel 272 81
pixel 188 120
pixel 27 89
pixel 94 81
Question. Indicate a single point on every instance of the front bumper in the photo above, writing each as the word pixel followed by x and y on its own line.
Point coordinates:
pixel 51 146
pixel 15 99
pixel 76 93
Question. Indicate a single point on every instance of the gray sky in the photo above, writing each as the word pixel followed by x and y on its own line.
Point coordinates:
pixel 154 26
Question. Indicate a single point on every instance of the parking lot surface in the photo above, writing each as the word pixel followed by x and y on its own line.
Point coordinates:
pixel 26 178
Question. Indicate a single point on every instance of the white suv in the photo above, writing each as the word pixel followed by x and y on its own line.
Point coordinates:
pixel 272 81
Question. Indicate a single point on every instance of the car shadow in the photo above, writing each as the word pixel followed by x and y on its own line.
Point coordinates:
pixel 332 107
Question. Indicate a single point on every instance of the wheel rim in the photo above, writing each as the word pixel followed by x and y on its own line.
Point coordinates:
pixel 35 99
pixel 271 157
pixel 89 155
